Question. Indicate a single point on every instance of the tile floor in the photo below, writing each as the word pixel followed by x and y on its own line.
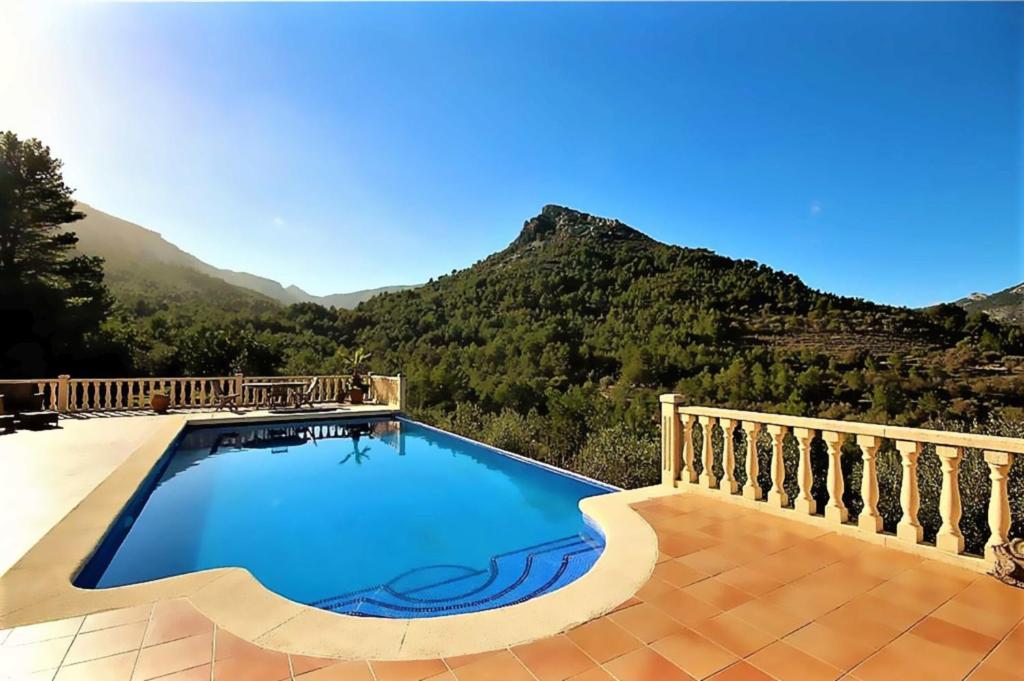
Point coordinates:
pixel 737 595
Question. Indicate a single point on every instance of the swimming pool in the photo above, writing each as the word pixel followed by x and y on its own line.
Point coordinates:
pixel 382 517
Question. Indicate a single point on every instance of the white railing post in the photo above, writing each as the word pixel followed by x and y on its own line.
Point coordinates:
pixel 804 502
pixel 671 439
pixel 777 495
pixel 869 519
pixel 999 503
pixel 752 489
pixel 707 476
pixel 690 472
pixel 949 537
pixel 62 393
pixel 909 529
pixel 728 483
pixel 835 509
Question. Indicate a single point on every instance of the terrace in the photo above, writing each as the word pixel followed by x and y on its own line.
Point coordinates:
pixel 773 549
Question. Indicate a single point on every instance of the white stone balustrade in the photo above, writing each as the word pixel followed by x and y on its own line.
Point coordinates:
pixel 78 395
pixel 950 447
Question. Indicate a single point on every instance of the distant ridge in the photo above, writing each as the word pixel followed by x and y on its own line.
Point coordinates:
pixel 136 257
pixel 1007 305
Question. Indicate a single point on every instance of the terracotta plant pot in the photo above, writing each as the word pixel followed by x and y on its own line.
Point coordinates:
pixel 159 402
pixel 355 395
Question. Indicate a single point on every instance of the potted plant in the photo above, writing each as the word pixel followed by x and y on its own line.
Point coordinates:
pixel 159 402
pixel 357 366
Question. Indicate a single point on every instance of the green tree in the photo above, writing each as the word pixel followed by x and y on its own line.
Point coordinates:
pixel 52 300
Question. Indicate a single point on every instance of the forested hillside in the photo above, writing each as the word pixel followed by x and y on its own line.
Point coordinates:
pixel 142 267
pixel 578 300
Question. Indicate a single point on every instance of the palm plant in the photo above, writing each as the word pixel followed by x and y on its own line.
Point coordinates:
pixel 356 367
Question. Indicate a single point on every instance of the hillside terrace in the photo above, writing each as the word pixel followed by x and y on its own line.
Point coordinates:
pixel 745 582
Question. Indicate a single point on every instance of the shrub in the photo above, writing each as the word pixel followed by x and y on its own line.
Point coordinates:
pixel 621 456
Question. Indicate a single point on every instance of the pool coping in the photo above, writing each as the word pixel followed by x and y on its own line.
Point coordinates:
pixel 39 586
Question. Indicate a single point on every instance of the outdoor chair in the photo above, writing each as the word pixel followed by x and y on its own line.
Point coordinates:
pixel 304 397
pixel 21 401
pixel 225 400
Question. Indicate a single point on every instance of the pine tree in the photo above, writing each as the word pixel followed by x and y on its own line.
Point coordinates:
pixel 52 300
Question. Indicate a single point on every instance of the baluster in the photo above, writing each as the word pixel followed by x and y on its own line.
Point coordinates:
pixel 690 473
pixel 999 503
pixel 707 476
pixel 869 519
pixel 108 395
pixel 777 495
pixel 671 447
pixel 117 394
pixel 202 392
pixel 804 502
pixel 949 537
pixel 752 489
pixel 835 509
pixel 728 483
pixel 909 529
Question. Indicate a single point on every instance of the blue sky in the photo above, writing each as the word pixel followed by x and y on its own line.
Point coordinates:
pixel 875 150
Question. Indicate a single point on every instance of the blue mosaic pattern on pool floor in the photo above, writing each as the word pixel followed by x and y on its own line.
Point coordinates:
pixel 436 590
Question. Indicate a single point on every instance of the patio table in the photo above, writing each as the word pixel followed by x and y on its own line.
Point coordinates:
pixel 274 389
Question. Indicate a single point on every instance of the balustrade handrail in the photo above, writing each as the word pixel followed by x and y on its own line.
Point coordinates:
pixel 922 435
pixel 65 394
pixel 680 469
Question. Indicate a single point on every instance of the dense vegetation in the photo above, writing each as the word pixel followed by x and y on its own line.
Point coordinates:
pixel 559 345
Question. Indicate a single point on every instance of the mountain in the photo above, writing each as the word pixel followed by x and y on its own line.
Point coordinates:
pixel 138 259
pixel 579 300
pixel 1007 305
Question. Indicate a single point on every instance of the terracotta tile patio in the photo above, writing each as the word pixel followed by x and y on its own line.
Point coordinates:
pixel 737 595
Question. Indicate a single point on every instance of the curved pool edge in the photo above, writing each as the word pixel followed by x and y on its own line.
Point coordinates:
pixel 39 586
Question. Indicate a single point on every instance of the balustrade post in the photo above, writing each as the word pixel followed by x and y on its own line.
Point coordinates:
pixel 690 472
pixel 869 519
pixel 671 439
pixel 804 502
pixel 835 509
pixel 728 483
pixel 707 476
pixel 949 537
pixel 752 489
pixel 777 495
pixel 239 379
pixel 999 503
pixel 909 529
pixel 401 392
pixel 63 393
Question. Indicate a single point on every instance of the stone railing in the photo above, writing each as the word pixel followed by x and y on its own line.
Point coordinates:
pixel 710 463
pixel 77 395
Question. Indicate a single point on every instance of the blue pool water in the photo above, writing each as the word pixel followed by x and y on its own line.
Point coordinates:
pixel 386 518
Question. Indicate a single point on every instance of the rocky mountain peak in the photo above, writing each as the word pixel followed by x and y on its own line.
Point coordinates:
pixel 555 223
